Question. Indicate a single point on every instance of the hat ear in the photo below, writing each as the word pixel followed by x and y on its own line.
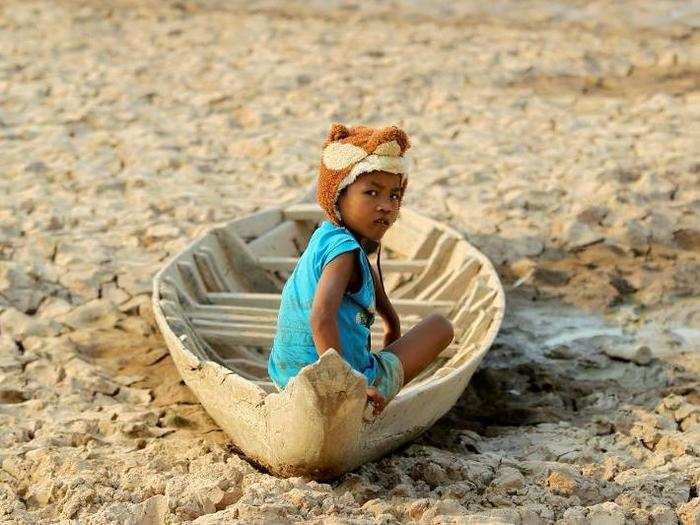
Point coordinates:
pixel 401 137
pixel 337 132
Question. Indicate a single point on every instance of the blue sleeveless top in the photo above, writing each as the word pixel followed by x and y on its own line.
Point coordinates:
pixel 293 347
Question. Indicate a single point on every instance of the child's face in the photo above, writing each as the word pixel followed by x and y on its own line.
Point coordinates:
pixel 370 205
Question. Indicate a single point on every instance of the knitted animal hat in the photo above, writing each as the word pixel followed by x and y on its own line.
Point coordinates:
pixel 349 152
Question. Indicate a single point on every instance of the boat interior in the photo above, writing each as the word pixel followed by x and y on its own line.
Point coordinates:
pixel 221 295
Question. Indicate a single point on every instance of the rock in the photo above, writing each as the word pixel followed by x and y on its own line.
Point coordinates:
pixel 550 277
pixel 662 515
pixel 607 513
pixel 205 493
pixel 99 313
pixel 111 292
pixel 689 513
pixel 19 325
pixel 592 215
pixel 508 479
pixel 560 352
pixel 448 507
pixel 152 510
pixel 576 235
pixel 54 307
pixel 135 325
pixel 19 288
pixel 562 483
pixel 621 284
pixel 687 239
pixel 640 355
pixel 84 281
pixel 163 231
pixel 523 268
pixel 636 236
pixel 574 516
pixel 138 280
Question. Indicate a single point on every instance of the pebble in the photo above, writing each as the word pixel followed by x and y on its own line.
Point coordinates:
pixel 19 325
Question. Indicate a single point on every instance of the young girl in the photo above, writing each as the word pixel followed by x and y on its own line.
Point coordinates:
pixel 330 299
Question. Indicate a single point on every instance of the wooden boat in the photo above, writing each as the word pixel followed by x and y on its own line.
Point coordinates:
pixel 216 304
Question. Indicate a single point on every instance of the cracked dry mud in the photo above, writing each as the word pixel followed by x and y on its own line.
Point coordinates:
pixel 560 137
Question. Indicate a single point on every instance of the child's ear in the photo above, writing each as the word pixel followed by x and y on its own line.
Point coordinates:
pixel 337 132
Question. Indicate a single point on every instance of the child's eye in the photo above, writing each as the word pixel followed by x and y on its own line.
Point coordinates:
pixel 373 193
pixel 396 196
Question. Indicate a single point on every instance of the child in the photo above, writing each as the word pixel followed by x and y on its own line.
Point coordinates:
pixel 329 300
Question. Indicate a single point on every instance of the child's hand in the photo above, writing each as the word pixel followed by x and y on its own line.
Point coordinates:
pixel 379 402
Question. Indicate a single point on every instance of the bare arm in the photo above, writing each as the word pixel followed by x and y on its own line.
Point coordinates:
pixel 392 323
pixel 329 294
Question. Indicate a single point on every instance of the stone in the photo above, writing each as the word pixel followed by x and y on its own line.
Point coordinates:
pixel 562 483
pixel 112 293
pixel 608 513
pixel 687 239
pixel 576 235
pixel 98 313
pixel 138 280
pixel 689 513
pixel 54 307
pixel 19 325
pixel 560 352
pixel 575 516
pixel 18 287
pixel 508 479
pixel 640 355
pixel 551 277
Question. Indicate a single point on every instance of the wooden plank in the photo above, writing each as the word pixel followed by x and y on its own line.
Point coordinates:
pixel 475 292
pixel 427 244
pixel 217 264
pixel 436 284
pixel 268 325
pixel 205 272
pixel 229 337
pixel 287 239
pixel 307 211
pixel 479 327
pixel 192 281
pixel 256 224
pixel 427 372
pixel 186 333
pixel 454 286
pixel 433 270
pixel 272 263
pixel 168 290
pixel 243 262
pixel 261 328
pixel 484 302
pixel 272 301
pixel 258 369
pixel 421 249
pixel 401 240
pixel 416 221
pixel 462 355
pixel 232 337
pixel 231 310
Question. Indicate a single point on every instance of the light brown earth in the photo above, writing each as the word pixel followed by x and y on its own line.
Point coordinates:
pixel 561 137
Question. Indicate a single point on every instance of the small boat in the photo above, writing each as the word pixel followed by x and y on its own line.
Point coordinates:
pixel 216 304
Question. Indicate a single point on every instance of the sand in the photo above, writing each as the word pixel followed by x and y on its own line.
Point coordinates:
pixel 561 137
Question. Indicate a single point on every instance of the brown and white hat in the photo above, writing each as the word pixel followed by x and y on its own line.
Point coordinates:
pixel 348 153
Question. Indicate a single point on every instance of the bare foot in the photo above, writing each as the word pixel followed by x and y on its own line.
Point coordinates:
pixel 377 400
